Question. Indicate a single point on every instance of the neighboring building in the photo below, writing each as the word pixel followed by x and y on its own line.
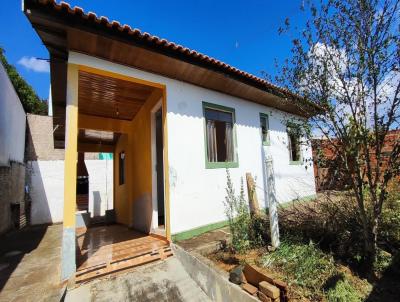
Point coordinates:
pixel 326 162
pixel 174 119
pixel 12 146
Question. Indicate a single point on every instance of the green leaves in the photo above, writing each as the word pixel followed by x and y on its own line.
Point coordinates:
pixel 237 212
pixel 28 97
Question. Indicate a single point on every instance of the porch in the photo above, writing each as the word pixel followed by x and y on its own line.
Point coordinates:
pixel 109 250
pixel 125 116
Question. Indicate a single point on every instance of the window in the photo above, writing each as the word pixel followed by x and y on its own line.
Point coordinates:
pixel 294 145
pixel 121 168
pixel 219 136
pixel 264 124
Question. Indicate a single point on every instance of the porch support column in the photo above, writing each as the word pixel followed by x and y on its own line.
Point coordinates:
pixel 71 148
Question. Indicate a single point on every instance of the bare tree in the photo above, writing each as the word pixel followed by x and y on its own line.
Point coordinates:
pixel 347 60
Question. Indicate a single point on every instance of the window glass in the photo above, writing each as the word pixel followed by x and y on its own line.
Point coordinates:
pixel 294 145
pixel 264 123
pixel 219 135
pixel 122 168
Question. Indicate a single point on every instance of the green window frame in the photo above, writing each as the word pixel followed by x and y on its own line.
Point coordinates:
pixel 264 126
pixel 294 135
pixel 209 164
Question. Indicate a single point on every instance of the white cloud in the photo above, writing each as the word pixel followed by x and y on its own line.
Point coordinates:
pixel 34 64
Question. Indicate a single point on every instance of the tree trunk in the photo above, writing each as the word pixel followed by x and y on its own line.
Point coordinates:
pixel 371 245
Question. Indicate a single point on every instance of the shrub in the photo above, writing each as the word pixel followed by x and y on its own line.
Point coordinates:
pixel 237 212
pixel 389 231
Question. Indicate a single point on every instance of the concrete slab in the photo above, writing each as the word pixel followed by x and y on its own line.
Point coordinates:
pixel 212 280
pixel 30 264
pixel 208 242
pixel 161 281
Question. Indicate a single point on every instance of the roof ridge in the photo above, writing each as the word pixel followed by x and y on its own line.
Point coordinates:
pixel 169 45
pixel 160 41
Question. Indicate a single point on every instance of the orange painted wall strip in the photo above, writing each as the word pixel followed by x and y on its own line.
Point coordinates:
pixel 71 146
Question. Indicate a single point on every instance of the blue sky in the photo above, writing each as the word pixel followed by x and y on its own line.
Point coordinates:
pixel 241 33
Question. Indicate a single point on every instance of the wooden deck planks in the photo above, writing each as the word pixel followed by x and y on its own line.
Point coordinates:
pixel 107 250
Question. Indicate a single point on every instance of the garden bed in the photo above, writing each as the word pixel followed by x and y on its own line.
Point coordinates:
pixel 310 274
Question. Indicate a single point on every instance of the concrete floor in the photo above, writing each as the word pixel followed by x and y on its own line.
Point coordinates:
pixel 160 281
pixel 30 271
pixel 30 264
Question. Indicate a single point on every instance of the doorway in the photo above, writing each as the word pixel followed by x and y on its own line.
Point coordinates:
pixel 159 168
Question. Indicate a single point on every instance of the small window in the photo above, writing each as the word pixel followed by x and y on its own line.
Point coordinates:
pixel 294 145
pixel 264 124
pixel 219 132
pixel 121 168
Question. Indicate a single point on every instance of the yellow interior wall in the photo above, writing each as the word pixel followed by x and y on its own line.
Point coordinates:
pixel 138 167
pixel 141 169
pixel 121 198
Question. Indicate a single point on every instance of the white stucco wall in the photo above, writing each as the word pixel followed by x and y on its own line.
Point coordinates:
pixel 197 193
pixel 100 186
pixel 12 122
pixel 46 189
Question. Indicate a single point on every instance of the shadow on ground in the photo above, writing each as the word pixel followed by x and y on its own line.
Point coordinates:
pixel 387 288
pixel 14 246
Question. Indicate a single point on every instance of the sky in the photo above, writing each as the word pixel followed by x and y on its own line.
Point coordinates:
pixel 243 34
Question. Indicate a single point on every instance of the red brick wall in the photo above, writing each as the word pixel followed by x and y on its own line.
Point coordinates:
pixel 326 177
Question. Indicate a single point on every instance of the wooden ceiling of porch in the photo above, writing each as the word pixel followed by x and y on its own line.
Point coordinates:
pixel 109 97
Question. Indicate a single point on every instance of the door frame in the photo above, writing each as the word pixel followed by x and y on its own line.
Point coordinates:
pixel 154 191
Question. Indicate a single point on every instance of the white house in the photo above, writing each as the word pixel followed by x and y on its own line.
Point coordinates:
pixel 174 119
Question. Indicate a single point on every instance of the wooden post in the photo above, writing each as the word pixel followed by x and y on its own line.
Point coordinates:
pixel 253 200
pixel 68 266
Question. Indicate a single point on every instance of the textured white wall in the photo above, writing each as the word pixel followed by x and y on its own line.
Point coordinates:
pixel 46 190
pixel 46 187
pixel 12 122
pixel 197 193
pixel 100 186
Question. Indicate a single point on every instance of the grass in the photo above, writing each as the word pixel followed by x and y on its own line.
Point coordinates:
pixel 343 291
pixel 311 271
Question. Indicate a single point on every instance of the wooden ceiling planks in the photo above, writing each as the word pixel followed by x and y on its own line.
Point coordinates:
pixel 110 97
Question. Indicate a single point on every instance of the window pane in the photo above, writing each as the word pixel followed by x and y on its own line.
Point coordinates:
pixel 294 147
pixel 264 128
pixel 219 135
pixel 216 115
pixel 121 168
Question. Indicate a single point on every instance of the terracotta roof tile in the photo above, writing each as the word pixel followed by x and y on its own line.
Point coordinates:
pixel 165 44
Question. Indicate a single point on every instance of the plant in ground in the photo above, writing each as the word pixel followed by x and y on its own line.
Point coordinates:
pixel 313 272
pixel 302 264
pixel 237 212
pixel 343 292
pixel 347 60
pixel 333 221
pixel 389 231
